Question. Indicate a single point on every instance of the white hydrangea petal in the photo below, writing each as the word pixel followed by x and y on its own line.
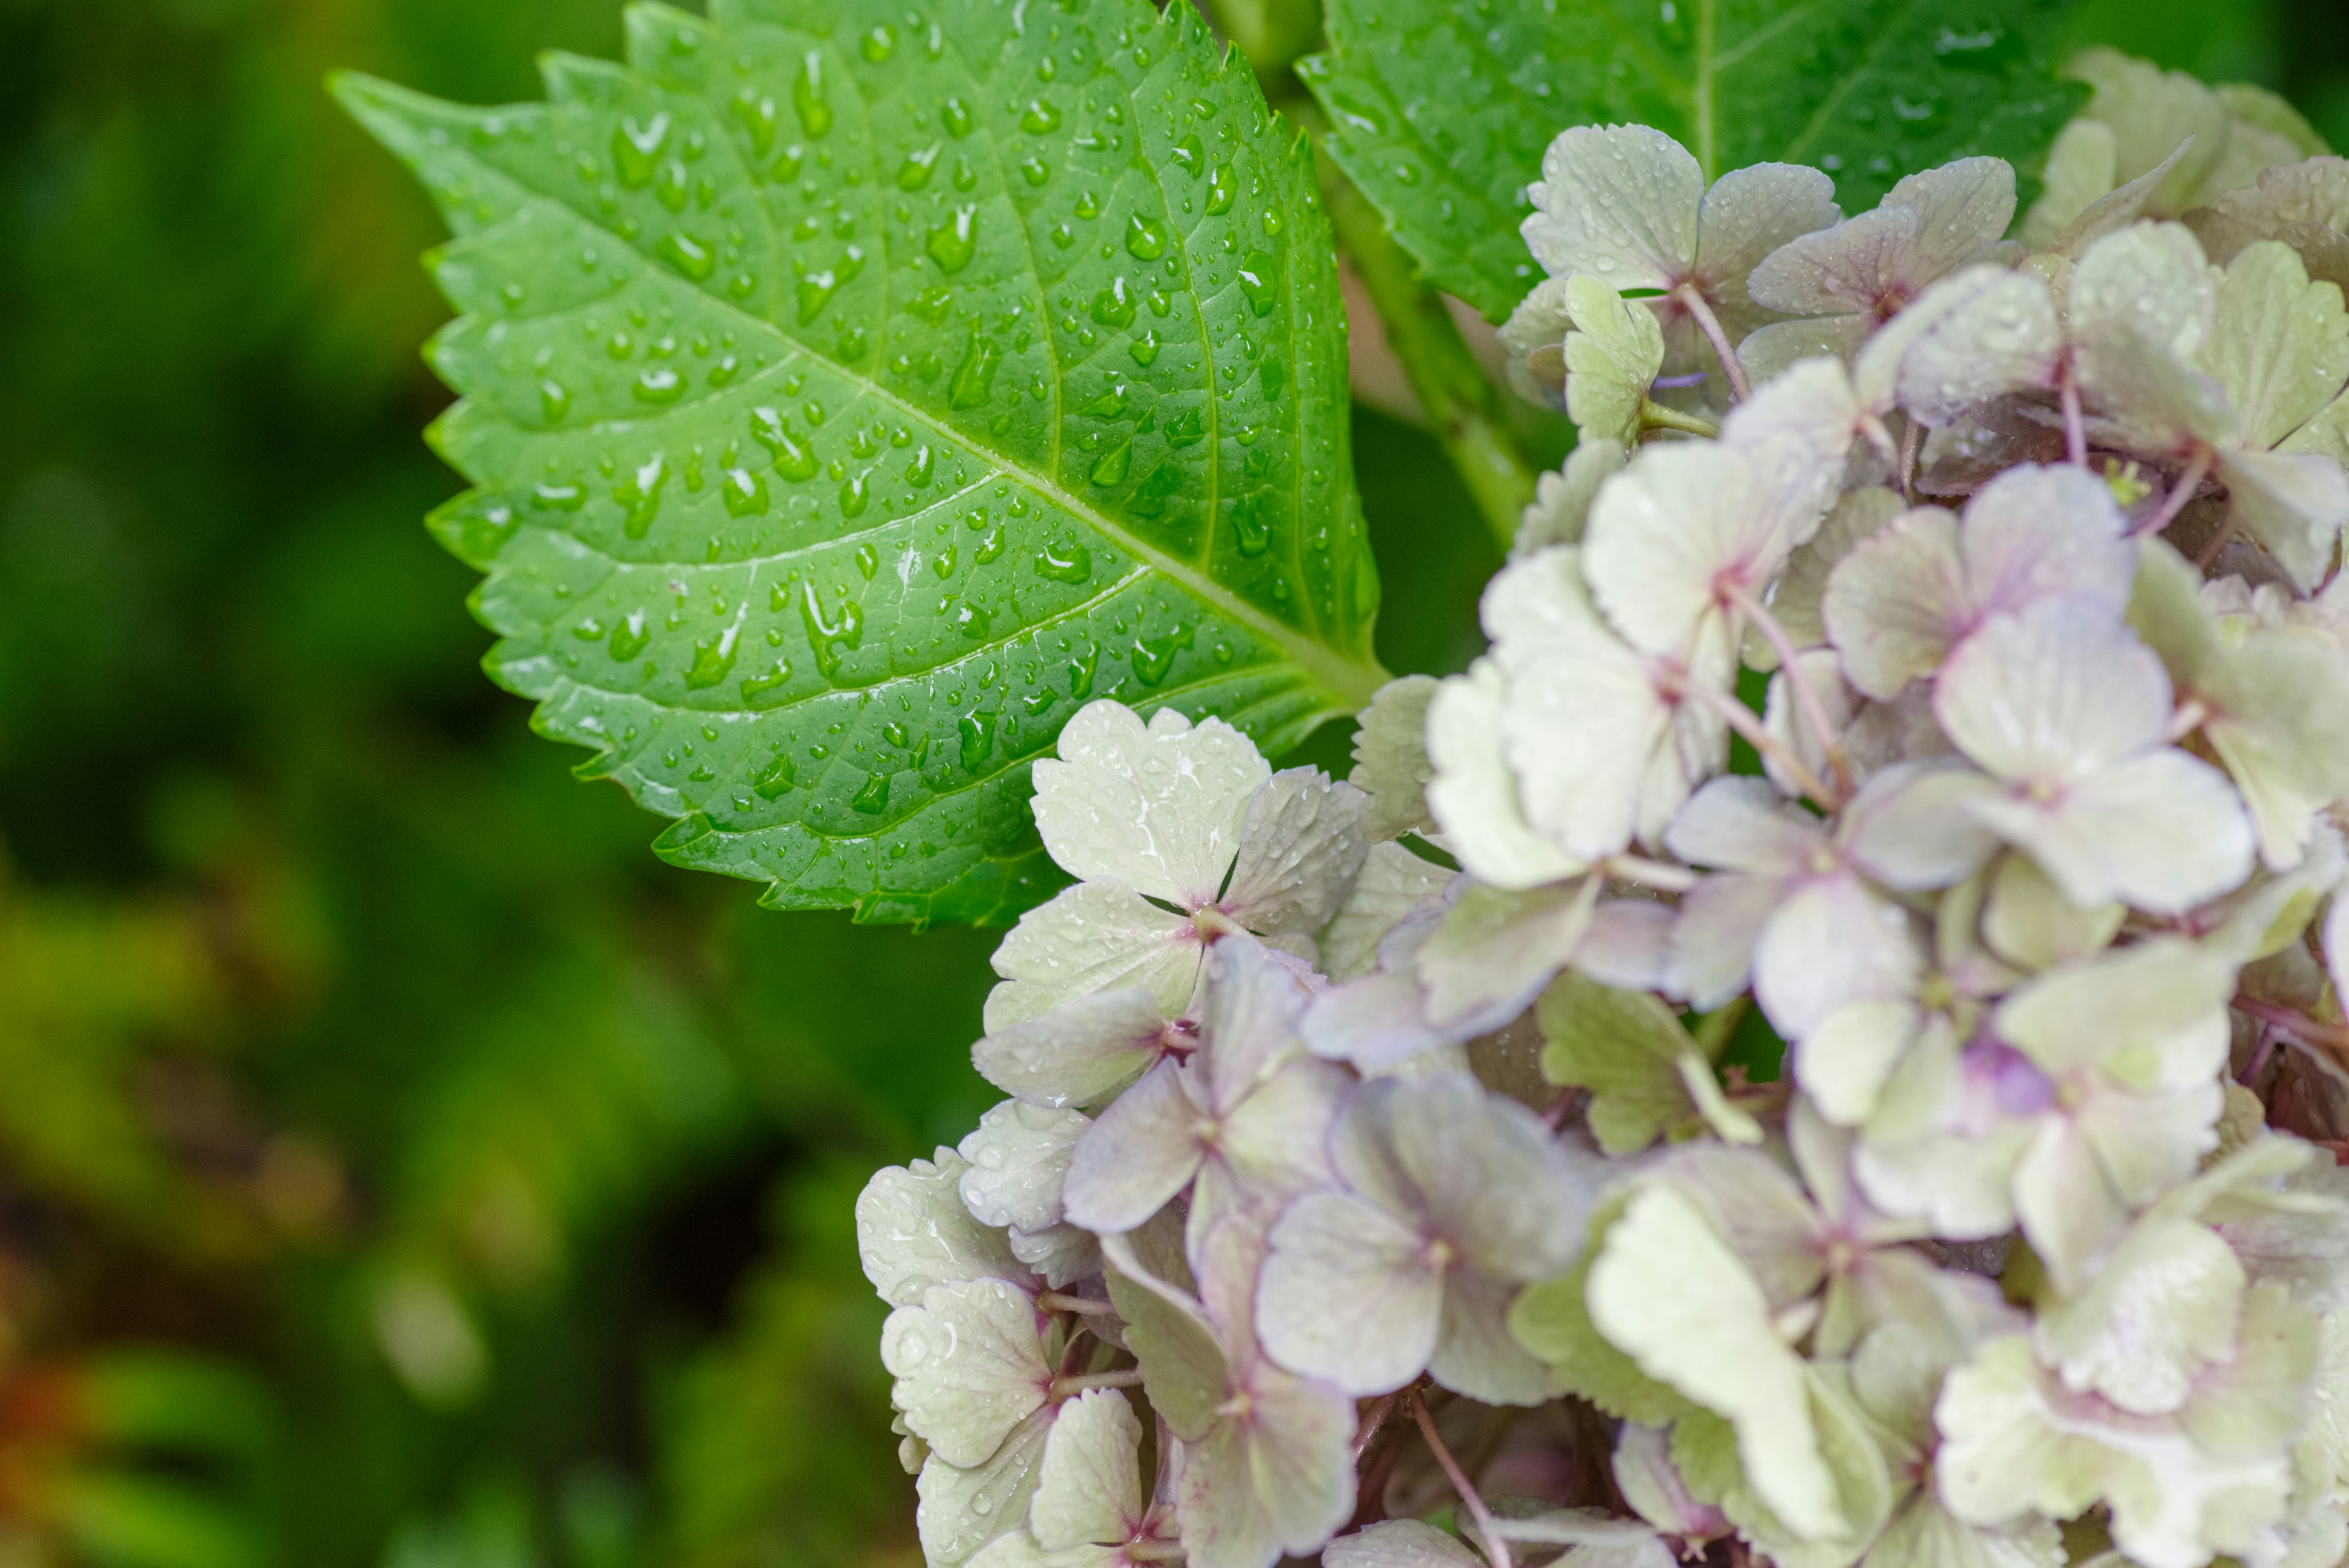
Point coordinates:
pixel 1095 936
pixel 2147 1144
pixel 1346 1294
pixel 1668 1292
pixel 2151 278
pixel 2153 1013
pixel 2163 831
pixel 2167 1304
pixel 1992 333
pixel 1018 1155
pixel 1666 530
pixel 1390 764
pixel 1061 1255
pixel 1612 356
pixel 1156 806
pixel 2120 205
pixel 1399 1544
pixel 2053 692
pixel 1090 1488
pixel 1475 1353
pixel 2069 1212
pixel 914 1232
pixel 2147 399
pixel 1138 1154
pixel 2293 504
pixel 2037 531
pixel 1844 1061
pixel 1715 933
pixel 1599 757
pixel 1302 846
pixel 1912 827
pixel 1080 1053
pixel 1832 941
pixel 1561 504
pixel 1898 602
pixel 1960 1184
pixel 961 1510
pixel 1475 792
pixel 1751 212
pixel 1618 202
pixel 1741 824
pixel 1845 270
pixel 969 1366
pixel 2028 921
pixel 2280 345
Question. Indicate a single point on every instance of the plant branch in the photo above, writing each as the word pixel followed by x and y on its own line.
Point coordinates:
pixel 1497 1551
pixel 1748 725
pixel 1806 698
pixel 1700 310
pixel 2179 494
pixel 1464 408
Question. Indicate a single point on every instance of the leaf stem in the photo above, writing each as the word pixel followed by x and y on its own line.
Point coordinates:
pixel 2179 494
pixel 1084 1382
pixel 2332 1037
pixel 2076 430
pixel 1655 416
pixel 1053 1301
pixel 1657 874
pixel 1700 311
pixel 1463 408
pixel 1806 698
pixel 1744 720
pixel 1497 1551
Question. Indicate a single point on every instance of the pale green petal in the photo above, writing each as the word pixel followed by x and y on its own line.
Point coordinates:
pixel 1842 271
pixel 1611 357
pixel 1666 530
pixel 962 1510
pixel 1533 337
pixel 1561 504
pixel 1474 793
pixel 2251 148
pixel 1496 950
pixel 1924 1534
pixel 1392 883
pixel 2081 168
pixel 1156 806
pixel 1279 1481
pixel 1080 1053
pixel 2293 504
pixel 2280 343
pixel 2165 610
pixel 2120 207
pixel 2162 832
pixel 1490 1177
pixel 1912 827
pixel 1844 1062
pixel 1669 1292
pixel 2281 727
pixel 2166 1303
pixel 1062 1253
pixel 1090 1490
pixel 1302 846
pixel 1399 1544
pixel 913 1232
pixel 1619 202
pixel 1751 212
pixel 2257 106
pixel 1391 762
pixel 1475 1353
pixel 1832 941
pixel 969 1366
pixel 1623 1046
pixel 1553 1321
pixel 1646 1476
pixel 1964 206
pixel 1018 1156
pixel 2150 111
pixel 2259 1402
pixel 2152 1015
pixel 1095 936
pixel 2152 278
pixel 1797 605
pixel 1183 1369
pixel 1769 352
pixel 1896 604
pixel 2029 922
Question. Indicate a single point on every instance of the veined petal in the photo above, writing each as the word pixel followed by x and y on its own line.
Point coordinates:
pixel 2293 504
pixel 2151 277
pixel 1095 936
pixel 1349 1294
pixel 1391 762
pixel 1751 212
pixel 962 1510
pixel 1018 1155
pixel 969 1366
pixel 2162 832
pixel 1475 1353
pixel 1089 1490
pixel 913 1232
pixel 1156 806
pixel 1080 1053
pixel 1617 203
pixel 2053 692
pixel 1832 941
pixel 1299 850
pixel 1141 1152
pixel 1475 792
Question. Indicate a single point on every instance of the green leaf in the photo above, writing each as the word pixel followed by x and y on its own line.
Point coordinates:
pixel 851 397
pixel 1442 107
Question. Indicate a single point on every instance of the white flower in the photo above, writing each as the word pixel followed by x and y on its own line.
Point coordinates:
pixel 1188 817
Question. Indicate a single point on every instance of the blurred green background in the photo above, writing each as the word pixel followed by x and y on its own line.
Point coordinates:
pixel 397 1164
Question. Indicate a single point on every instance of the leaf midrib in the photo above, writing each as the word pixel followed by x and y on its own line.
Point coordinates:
pixel 1350 681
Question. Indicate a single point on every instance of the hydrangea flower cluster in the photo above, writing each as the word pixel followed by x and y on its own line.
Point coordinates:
pixel 1827 1040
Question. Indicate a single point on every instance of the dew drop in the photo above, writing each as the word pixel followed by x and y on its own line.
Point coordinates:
pixel 630 637
pixel 808 94
pixel 1040 118
pixel 744 491
pixel 953 244
pixel 1071 564
pixel 1145 239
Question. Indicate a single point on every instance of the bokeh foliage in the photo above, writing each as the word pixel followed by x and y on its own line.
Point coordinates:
pixel 399 1164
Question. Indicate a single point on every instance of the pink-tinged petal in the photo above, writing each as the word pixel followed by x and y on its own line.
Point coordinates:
pixel 2163 831
pixel 2069 1211
pixel 1846 270
pixel 1141 1151
pixel 1894 605
pixel 1741 824
pixel 1720 920
pixel 1095 936
pixel 1832 941
pixel 1751 212
pixel 1080 1053
pixel 1348 1294
pixel 1300 852
pixel 1912 827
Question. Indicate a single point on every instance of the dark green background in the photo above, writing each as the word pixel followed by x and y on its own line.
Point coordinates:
pixel 320 974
